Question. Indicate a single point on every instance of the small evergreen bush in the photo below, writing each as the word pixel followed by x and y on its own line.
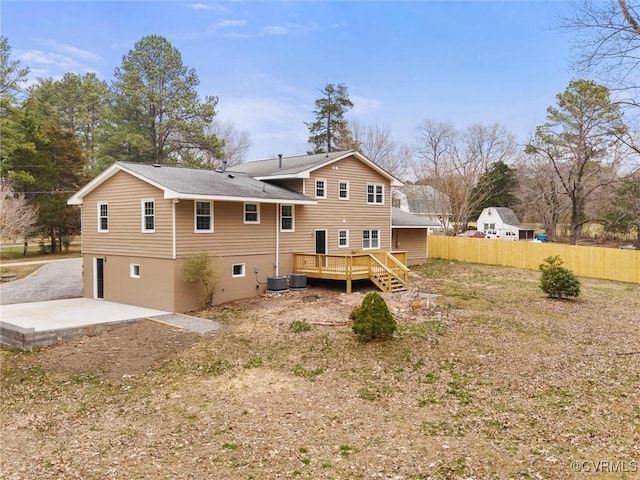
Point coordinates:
pixel 558 281
pixel 372 319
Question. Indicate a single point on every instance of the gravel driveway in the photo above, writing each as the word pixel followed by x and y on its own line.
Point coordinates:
pixel 55 280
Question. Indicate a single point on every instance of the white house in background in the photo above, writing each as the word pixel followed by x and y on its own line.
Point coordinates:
pixel 502 222
pixel 426 202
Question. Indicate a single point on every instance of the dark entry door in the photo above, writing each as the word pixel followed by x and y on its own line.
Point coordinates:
pixel 99 277
pixel 321 242
pixel 321 247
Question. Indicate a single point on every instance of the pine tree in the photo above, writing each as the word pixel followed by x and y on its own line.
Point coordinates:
pixel 330 131
pixel 495 188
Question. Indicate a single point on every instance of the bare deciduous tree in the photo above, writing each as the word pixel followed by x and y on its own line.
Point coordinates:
pixel 579 143
pixel 236 142
pixel 377 144
pixel 17 217
pixel 540 195
pixel 452 161
pixel 609 42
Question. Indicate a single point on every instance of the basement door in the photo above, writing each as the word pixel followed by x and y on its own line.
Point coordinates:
pixel 98 280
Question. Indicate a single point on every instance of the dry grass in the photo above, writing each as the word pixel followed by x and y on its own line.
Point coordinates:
pixel 492 381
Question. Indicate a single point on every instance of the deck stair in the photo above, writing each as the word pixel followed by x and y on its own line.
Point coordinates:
pixel 388 273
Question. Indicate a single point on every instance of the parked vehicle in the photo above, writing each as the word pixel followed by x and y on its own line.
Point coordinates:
pixel 471 234
pixel 543 237
pixel 505 235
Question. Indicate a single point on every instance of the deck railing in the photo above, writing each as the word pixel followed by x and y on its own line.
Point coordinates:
pixel 384 269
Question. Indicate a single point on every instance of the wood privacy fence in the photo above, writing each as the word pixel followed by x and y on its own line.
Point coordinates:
pixel 596 262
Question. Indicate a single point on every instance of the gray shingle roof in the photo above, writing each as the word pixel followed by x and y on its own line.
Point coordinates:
pixel 199 182
pixel 191 183
pixel 424 199
pixel 507 215
pixel 400 218
pixel 301 166
pixel 290 165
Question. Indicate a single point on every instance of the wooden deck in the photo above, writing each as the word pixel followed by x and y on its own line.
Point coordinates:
pixel 387 270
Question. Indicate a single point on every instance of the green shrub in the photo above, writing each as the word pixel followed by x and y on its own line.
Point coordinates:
pixel 373 319
pixel 298 326
pixel 558 281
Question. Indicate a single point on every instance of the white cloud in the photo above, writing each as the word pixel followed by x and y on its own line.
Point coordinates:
pixel 38 57
pixel 364 106
pixel 229 23
pixel 59 59
pixel 275 30
pixel 198 6
pixel 215 7
pixel 75 51
pixel 272 30
pixel 274 125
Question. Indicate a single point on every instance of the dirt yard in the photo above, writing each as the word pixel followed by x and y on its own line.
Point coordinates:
pixel 485 379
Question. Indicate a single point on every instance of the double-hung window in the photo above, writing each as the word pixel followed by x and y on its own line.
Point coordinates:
pixel 343 190
pixel 370 239
pixel 203 217
pixel 148 215
pixel 251 213
pixel 321 188
pixel 103 217
pixel 375 193
pixel 343 238
pixel 286 218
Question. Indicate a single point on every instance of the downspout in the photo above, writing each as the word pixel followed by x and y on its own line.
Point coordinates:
pixel 277 262
pixel 173 228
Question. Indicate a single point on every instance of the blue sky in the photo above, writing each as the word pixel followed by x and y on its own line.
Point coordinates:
pixel 403 61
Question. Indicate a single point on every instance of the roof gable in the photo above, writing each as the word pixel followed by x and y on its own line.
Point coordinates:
pixel 191 183
pixel 505 214
pixel 302 166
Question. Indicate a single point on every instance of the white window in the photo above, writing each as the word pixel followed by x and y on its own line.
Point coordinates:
pixel 203 221
pixel 148 215
pixel 343 190
pixel 103 217
pixel 134 270
pixel 321 188
pixel 375 193
pixel 286 218
pixel 251 213
pixel 343 238
pixel 370 239
pixel 238 269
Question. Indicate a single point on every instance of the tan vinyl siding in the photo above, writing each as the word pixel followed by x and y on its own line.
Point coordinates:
pixel 154 288
pixel 189 296
pixel 230 235
pixel 413 241
pixel 332 214
pixel 124 194
pixel 295 184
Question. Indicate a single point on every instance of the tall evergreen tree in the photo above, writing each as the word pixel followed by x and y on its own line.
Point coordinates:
pixel 79 103
pixel 158 116
pixel 330 131
pixel 495 188
pixel 12 79
pixel 48 175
